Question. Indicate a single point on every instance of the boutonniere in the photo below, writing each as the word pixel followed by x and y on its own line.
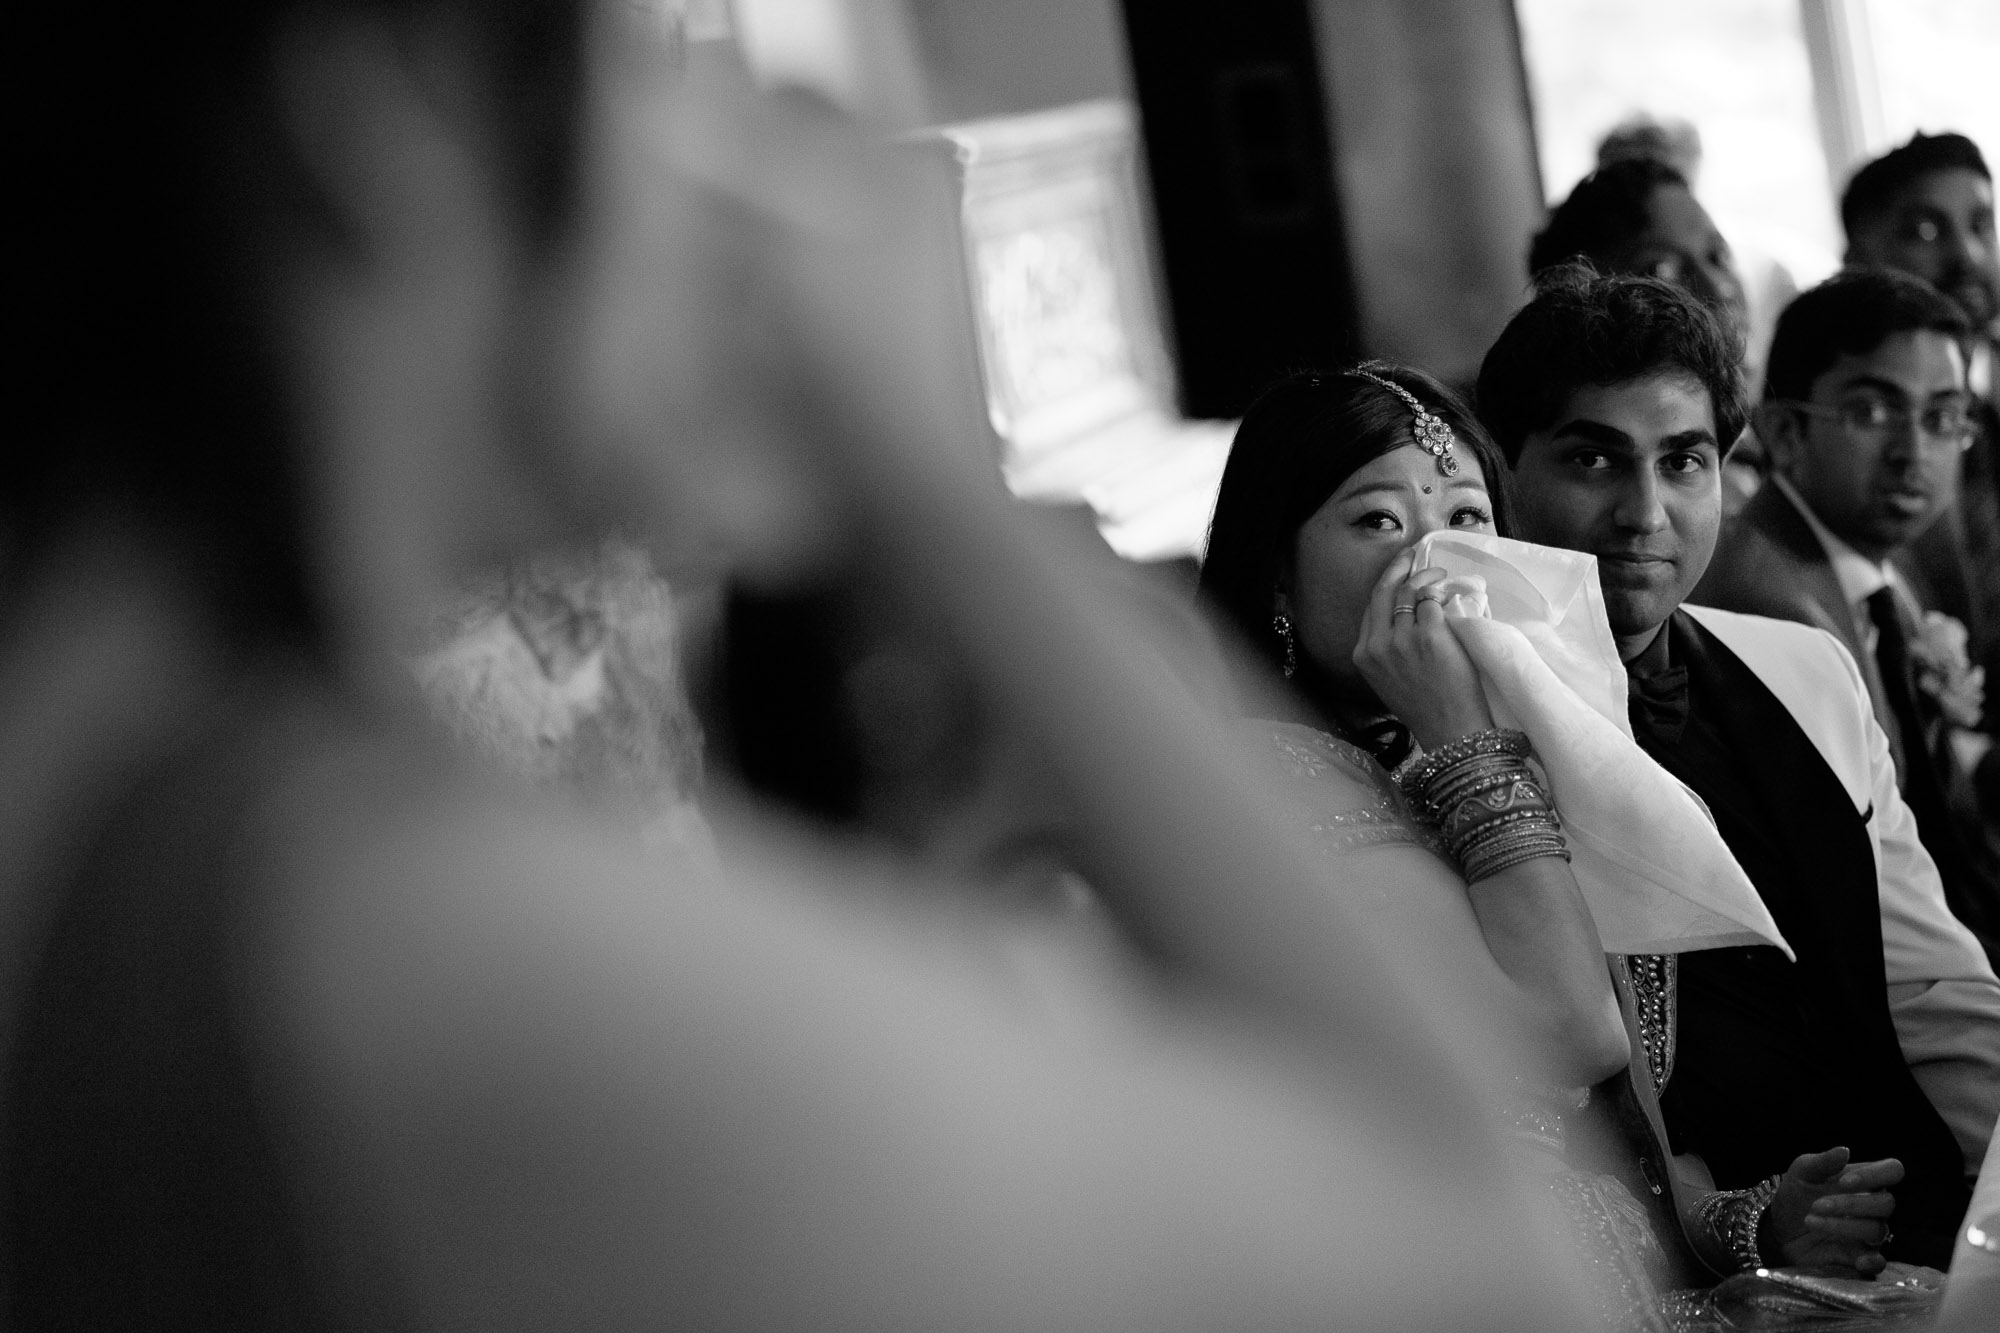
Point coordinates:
pixel 1945 672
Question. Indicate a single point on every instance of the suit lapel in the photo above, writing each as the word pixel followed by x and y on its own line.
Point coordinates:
pixel 1816 826
pixel 1772 513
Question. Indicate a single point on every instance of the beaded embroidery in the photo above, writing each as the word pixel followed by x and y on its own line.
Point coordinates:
pixel 1314 755
pixel 1624 1265
pixel 1732 1217
pixel 1655 992
pixel 1539 1114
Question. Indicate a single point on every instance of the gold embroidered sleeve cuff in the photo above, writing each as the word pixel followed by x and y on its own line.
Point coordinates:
pixel 1731 1218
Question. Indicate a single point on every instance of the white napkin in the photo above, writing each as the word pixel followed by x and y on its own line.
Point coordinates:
pixel 1657 875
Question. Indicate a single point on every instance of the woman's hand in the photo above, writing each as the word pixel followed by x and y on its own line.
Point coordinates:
pixel 1410 658
pixel 1828 1214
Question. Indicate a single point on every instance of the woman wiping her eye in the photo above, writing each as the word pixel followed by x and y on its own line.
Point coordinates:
pixel 1331 483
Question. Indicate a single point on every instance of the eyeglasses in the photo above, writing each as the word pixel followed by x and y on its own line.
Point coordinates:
pixel 1870 419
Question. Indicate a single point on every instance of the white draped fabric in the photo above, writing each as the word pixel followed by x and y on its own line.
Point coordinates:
pixel 1656 873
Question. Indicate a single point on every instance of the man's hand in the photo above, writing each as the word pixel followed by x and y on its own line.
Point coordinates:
pixel 1829 1214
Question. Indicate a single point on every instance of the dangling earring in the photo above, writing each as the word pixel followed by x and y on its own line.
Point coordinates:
pixel 1281 625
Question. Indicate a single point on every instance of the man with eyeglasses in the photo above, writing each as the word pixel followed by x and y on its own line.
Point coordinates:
pixel 1866 413
pixel 1926 208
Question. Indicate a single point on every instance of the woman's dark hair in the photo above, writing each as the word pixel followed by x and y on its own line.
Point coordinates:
pixel 1302 438
pixel 1605 211
pixel 1583 329
pixel 152 392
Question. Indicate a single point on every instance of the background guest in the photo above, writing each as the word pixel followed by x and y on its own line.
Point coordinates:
pixel 1638 215
pixel 1926 208
pixel 1866 412
pixel 1768 285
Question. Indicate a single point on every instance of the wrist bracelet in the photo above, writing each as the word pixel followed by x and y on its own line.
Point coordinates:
pixel 1458 793
pixel 1485 802
pixel 1416 775
pixel 1515 798
pixel 1436 787
pixel 1491 861
pixel 1731 1218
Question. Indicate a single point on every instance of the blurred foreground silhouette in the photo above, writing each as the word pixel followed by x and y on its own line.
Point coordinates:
pixel 304 1023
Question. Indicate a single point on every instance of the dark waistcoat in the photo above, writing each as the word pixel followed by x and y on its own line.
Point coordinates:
pixel 1776 1057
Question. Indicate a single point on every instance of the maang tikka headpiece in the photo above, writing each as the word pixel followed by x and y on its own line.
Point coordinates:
pixel 1433 436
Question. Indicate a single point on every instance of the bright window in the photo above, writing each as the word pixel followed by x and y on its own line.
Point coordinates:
pixel 1938 66
pixel 1736 69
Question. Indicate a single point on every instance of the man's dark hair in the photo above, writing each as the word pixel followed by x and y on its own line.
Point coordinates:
pixel 1849 315
pixel 1582 329
pixel 1605 210
pixel 1872 190
pixel 1675 142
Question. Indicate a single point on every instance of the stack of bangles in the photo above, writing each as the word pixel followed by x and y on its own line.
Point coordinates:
pixel 1485 801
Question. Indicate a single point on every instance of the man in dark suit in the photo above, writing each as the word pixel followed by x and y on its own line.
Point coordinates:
pixel 1615 400
pixel 1866 413
pixel 1926 208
